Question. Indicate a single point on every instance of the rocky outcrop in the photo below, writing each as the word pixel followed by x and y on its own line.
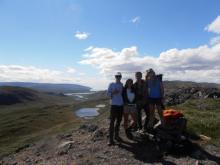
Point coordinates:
pixel 180 95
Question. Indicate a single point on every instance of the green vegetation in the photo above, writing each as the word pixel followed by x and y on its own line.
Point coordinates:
pixel 32 119
pixel 20 126
pixel 39 118
pixel 47 114
pixel 203 117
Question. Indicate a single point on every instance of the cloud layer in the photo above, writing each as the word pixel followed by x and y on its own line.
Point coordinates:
pixel 27 73
pixel 199 64
pixel 18 73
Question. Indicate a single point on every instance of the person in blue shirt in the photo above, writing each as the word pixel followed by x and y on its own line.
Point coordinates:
pixel 155 96
pixel 115 93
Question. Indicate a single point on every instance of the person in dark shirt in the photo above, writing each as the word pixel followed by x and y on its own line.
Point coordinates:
pixel 140 89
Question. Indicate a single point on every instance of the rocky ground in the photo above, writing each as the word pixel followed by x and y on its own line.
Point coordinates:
pixel 88 145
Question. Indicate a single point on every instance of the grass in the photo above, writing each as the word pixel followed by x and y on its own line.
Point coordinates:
pixel 203 118
pixel 23 125
pixel 26 122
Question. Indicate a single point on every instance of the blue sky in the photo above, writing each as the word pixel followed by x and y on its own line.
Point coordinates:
pixel 42 33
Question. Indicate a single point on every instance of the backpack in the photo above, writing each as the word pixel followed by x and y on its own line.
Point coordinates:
pixel 174 119
pixel 172 114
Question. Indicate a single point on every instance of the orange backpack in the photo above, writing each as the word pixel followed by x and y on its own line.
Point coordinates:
pixel 171 114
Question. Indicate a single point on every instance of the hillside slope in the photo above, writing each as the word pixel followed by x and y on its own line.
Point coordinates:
pixel 27 115
pixel 87 144
pixel 12 95
pixel 49 87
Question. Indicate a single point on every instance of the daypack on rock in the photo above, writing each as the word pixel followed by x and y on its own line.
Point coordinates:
pixel 174 119
pixel 172 114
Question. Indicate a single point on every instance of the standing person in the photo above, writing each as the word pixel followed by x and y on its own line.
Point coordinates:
pixel 155 97
pixel 141 96
pixel 160 77
pixel 129 107
pixel 115 93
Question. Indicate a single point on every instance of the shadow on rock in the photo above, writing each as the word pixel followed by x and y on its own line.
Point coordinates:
pixel 147 152
pixel 150 151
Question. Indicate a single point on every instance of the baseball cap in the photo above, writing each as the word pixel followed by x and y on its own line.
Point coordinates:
pixel 118 74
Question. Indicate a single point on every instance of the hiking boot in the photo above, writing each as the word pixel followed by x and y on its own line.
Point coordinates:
pixel 111 143
pixel 132 128
pixel 118 138
pixel 128 134
pixel 151 131
pixel 140 131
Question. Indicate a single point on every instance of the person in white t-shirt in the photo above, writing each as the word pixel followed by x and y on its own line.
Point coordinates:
pixel 129 98
pixel 116 111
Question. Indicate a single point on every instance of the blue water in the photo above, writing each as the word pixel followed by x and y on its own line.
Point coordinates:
pixel 87 112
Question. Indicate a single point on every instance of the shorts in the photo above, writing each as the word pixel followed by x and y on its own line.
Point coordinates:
pixel 130 109
pixel 155 101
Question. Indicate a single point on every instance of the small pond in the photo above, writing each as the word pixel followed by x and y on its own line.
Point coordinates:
pixel 87 113
pixel 100 106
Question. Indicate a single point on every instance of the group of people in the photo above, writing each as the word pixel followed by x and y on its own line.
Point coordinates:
pixel 131 99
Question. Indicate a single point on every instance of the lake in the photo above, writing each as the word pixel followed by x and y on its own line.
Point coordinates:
pixel 87 113
pixel 80 96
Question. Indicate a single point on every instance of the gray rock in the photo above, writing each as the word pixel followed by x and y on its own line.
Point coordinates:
pixel 89 127
pixel 64 147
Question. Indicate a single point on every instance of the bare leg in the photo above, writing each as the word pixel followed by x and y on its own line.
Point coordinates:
pixel 151 117
pixel 134 119
pixel 126 120
pixel 160 112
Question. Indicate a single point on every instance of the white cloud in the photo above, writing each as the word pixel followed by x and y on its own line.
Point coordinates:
pixel 194 64
pixel 81 35
pixel 214 26
pixel 215 40
pixel 27 73
pixel 18 73
pixel 81 74
pixel 200 64
pixel 71 70
pixel 136 19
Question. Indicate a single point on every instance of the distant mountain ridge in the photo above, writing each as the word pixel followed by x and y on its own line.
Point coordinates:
pixel 49 87
pixel 12 95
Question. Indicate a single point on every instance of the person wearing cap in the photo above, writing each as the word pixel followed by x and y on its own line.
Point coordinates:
pixel 115 93
pixel 155 96
pixel 141 100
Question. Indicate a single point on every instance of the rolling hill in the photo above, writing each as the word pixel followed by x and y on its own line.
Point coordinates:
pixel 12 95
pixel 49 87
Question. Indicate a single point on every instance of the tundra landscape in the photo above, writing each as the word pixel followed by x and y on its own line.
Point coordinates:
pixel 38 127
